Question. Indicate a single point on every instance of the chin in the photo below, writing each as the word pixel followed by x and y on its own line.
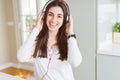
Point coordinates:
pixel 53 30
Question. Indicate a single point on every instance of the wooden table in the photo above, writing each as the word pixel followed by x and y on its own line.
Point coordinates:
pixel 4 76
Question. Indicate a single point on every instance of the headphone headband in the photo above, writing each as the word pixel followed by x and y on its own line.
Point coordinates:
pixel 68 10
pixel 48 2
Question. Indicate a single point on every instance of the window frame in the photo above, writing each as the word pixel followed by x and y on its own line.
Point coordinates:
pixel 107 47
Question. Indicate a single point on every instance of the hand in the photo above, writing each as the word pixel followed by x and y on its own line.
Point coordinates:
pixel 39 21
pixel 69 26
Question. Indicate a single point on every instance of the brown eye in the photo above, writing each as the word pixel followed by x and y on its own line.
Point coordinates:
pixel 59 16
pixel 50 14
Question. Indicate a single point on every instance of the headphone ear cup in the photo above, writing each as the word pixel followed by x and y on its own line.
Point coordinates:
pixel 67 19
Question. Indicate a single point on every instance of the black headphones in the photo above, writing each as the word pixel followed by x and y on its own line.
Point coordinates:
pixel 68 10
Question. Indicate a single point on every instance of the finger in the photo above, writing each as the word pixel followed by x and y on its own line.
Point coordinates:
pixel 40 16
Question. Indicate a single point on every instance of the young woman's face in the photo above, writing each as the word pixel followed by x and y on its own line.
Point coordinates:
pixel 55 18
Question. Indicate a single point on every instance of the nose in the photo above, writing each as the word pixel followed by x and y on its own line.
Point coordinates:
pixel 54 19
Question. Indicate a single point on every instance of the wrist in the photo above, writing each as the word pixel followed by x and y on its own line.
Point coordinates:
pixel 72 35
pixel 38 27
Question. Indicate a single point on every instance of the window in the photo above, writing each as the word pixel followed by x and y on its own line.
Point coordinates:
pixel 107 15
pixel 28 14
pixel 28 17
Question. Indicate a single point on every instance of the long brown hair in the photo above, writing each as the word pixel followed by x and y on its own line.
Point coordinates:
pixel 42 38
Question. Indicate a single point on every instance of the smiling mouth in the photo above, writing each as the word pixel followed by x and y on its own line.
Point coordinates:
pixel 52 26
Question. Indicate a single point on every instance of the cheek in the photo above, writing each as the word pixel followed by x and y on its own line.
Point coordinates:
pixel 47 20
pixel 61 21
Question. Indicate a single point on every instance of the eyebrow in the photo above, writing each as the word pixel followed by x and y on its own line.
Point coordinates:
pixel 53 13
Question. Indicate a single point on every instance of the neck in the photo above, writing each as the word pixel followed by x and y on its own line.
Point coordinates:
pixel 52 38
pixel 53 33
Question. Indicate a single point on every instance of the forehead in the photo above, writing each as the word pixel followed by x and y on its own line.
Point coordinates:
pixel 56 10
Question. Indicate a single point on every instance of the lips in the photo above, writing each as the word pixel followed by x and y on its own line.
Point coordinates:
pixel 53 25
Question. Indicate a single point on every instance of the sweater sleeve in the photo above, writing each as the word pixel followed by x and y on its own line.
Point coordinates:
pixel 74 54
pixel 25 52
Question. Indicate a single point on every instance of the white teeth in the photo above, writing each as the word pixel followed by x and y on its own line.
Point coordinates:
pixel 53 25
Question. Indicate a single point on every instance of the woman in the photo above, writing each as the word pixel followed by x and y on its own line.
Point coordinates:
pixel 52 44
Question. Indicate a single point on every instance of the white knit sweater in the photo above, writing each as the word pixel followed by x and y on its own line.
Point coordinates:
pixel 57 69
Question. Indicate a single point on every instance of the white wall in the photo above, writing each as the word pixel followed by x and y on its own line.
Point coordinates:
pixel 4 45
pixel 7 33
pixel 84 16
pixel 11 30
pixel 108 67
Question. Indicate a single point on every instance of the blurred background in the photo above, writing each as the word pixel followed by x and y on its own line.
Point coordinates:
pixel 96 24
